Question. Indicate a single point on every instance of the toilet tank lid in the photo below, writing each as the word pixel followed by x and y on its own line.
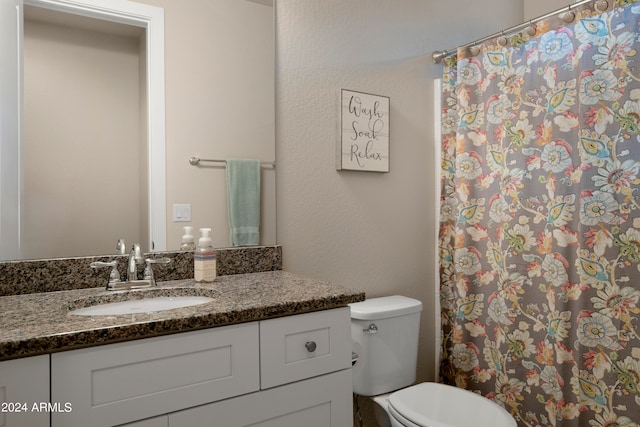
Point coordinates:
pixel 384 307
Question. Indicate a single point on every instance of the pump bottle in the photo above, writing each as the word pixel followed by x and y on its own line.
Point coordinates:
pixel 204 258
pixel 188 242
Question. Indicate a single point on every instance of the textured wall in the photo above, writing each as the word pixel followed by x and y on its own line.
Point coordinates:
pixel 373 231
pixel 536 8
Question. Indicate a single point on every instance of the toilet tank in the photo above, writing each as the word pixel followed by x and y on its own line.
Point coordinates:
pixel 384 334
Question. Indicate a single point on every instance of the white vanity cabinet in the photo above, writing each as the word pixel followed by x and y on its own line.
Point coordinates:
pixel 289 371
pixel 24 389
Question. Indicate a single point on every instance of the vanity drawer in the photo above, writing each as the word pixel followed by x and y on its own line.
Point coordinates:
pixel 120 383
pixel 302 346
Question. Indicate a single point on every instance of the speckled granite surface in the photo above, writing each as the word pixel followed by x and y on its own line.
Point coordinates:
pixel 33 276
pixel 38 323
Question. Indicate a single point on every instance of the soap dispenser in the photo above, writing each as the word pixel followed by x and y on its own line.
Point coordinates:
pixel 188 241
pixel 205 258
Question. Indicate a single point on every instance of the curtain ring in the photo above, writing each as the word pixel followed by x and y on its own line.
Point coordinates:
pixel 474 50
pixel 530 31
pixel 502 41
pixel 602 5
pixel 569 17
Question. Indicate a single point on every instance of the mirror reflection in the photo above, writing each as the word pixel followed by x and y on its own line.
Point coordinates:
pixel 83 146
pixel 84 142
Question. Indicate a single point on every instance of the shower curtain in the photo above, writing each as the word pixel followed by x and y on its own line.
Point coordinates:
pixel 540 221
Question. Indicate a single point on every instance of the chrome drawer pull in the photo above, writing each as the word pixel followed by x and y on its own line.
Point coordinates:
pixel 311 346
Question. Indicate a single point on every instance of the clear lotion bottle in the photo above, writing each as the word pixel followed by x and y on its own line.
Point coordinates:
pixel 188 241
pixel 204 258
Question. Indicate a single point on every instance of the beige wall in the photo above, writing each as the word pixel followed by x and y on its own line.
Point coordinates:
pixel 536 8
pixel 372 231
pixel 219 104
pixel 81 133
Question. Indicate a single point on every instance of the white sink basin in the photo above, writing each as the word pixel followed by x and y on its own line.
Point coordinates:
pixel 145 305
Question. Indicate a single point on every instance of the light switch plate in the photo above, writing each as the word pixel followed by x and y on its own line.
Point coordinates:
pixel 181 212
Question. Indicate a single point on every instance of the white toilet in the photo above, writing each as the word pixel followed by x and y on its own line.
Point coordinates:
pixel 385 346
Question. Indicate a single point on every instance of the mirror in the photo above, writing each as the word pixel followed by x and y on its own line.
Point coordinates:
pixel 219 104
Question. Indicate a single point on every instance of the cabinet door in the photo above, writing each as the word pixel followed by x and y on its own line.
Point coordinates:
pixel 126 382
pixel 324 401
pixel 24 392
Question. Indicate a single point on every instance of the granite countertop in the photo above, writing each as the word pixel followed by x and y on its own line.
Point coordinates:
pixel 40 323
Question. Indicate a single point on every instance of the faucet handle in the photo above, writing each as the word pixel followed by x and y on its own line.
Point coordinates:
pixel 148 271
pixel 121 247
pixel 114 276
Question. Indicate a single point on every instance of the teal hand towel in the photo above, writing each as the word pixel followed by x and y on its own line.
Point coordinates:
pixel 243 200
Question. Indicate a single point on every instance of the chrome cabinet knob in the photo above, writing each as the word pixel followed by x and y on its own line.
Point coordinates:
pixel 310 346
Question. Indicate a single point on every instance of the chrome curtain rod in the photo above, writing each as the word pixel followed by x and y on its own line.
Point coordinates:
pixel 195 161
pixel 601 6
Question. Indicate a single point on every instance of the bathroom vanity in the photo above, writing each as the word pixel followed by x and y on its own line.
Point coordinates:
pixel 271 349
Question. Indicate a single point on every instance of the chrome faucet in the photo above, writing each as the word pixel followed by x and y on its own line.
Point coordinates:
pixel 135 259
pixel 132 282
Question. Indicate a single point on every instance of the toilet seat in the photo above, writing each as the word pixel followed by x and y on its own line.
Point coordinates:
pixel 438 405
pixel 397 418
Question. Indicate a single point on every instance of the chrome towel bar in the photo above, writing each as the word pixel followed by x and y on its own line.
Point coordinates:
pixel 195 161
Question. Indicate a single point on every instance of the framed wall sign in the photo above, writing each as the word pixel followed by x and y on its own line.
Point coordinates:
pixel 364 136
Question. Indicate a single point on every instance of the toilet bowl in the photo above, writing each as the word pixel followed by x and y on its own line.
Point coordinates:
pixel 384 332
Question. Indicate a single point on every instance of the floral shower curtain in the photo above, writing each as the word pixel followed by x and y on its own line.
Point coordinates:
pixel 540 222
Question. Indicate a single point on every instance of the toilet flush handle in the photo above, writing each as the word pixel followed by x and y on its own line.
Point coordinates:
pixel 372 329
